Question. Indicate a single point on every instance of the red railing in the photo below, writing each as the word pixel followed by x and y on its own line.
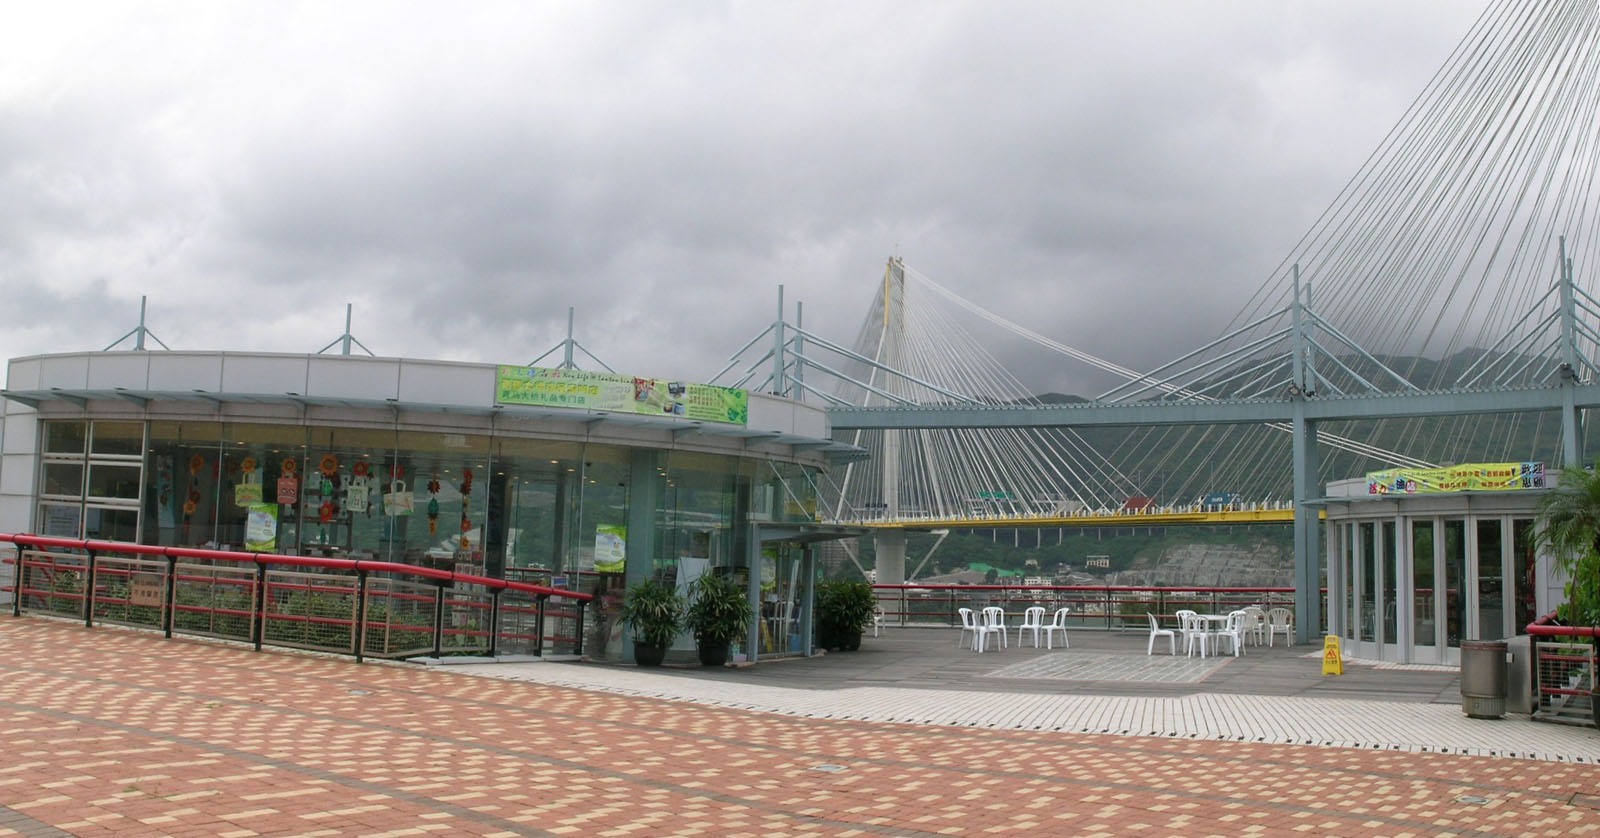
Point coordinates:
pixel 1088 606
pixel 1564 671
pixel 353 606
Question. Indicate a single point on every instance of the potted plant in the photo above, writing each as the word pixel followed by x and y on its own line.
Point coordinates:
pixel 719 613
pixel 654 612
pixel 844 609
pixel 1569 518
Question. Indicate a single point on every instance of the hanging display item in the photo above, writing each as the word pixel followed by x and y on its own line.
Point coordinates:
pixel 248 490
pixel 288 489
pixel 433 506
pixel 466 520
pixel 329 465
pixel 397 501
pixel 357 488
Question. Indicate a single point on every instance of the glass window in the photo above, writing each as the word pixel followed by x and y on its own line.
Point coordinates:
pixel 111 523
pixel 530 518
pixel 1422 615
pixel 114 481
pixel 1386 569
pixel 60 520
pixel 1526 574
pixel 1352 607
pixel 1368 577
pixel 435 490
pixel 1455 577
pixel 65 437
pixel 63 479
pixel 1491 582
pixel 182 483
pixel 125 439
pixel 262 466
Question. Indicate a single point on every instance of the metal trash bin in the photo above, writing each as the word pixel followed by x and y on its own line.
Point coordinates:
pixel 1483 678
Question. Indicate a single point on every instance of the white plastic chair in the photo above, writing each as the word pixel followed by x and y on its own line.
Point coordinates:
pixel 1157 631
pixel 1057 623
pixel 1194 632
pixel 1255 624
pixel 994 622
pixel 877 620
pixel 1280 620
pixel 1032 620
pixel 1233 631
pixel 969 625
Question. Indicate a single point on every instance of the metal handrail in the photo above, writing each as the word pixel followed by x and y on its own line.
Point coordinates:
pixel 96 552
pixel 1101 605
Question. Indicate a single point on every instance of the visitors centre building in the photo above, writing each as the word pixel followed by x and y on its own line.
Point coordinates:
pixel 559 477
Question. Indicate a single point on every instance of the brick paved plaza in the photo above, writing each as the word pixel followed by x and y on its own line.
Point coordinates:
pixel 115 732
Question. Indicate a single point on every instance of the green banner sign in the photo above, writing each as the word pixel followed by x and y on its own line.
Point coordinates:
pixel 621 393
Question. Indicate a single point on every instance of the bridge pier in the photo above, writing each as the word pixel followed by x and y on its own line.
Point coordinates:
pixel 889 546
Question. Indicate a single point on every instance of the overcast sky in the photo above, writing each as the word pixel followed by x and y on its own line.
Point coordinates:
pixel 1114 175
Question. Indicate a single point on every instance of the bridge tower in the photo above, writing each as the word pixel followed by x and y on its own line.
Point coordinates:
pixel 889 545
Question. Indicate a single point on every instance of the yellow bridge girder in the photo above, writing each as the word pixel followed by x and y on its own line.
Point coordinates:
pixel 1118 518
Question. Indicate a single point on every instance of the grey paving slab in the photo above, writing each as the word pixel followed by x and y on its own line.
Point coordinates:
pixel 1105 683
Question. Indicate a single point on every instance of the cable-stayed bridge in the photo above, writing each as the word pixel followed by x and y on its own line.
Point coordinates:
pixel 1441 310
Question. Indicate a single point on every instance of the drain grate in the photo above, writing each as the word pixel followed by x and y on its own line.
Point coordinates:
pixel 827 767
pixel 1591 801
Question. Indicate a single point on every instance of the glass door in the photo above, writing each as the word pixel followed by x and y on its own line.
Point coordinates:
pixel 1452 605
pixel 1425 624
pixel 1492 612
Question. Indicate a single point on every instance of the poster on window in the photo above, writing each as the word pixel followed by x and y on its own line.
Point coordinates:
pixel 61 521
pixel 261 527
pixel 610 547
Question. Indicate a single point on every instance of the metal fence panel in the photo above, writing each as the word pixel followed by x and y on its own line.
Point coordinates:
pixel 215 601
pixel 54 583
pixel 130 591
pixel 398 620
pixel 310 610
pixel 467 612
pixel 1565 680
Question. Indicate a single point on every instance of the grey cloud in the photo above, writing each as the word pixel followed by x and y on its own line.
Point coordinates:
pixel 1109 175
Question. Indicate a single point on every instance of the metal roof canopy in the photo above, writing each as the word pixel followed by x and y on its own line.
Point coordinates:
pixel 833 450
pixel 808 533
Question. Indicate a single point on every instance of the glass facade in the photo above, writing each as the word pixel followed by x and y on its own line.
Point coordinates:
pixel 536 510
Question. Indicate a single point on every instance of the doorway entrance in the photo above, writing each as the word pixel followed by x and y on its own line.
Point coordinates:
pixel 1411 587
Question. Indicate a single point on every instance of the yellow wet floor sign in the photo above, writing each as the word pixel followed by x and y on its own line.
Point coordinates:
pixel 1332 660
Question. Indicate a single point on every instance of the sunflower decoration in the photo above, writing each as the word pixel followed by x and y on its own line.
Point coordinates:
pixel 361 469
pixel 290 466
pixel 325 512
pixel 192 503
pixel 196 463
pixel 248 466
pixel 329 465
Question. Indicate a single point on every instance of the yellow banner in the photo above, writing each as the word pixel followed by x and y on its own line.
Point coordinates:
pixel 1475 477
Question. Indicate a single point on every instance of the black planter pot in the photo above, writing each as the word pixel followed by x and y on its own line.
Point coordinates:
pixel 849 641
pixel 713 654
pixel 645 654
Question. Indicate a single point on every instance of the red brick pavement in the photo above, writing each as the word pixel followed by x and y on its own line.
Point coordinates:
pixel 114 732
